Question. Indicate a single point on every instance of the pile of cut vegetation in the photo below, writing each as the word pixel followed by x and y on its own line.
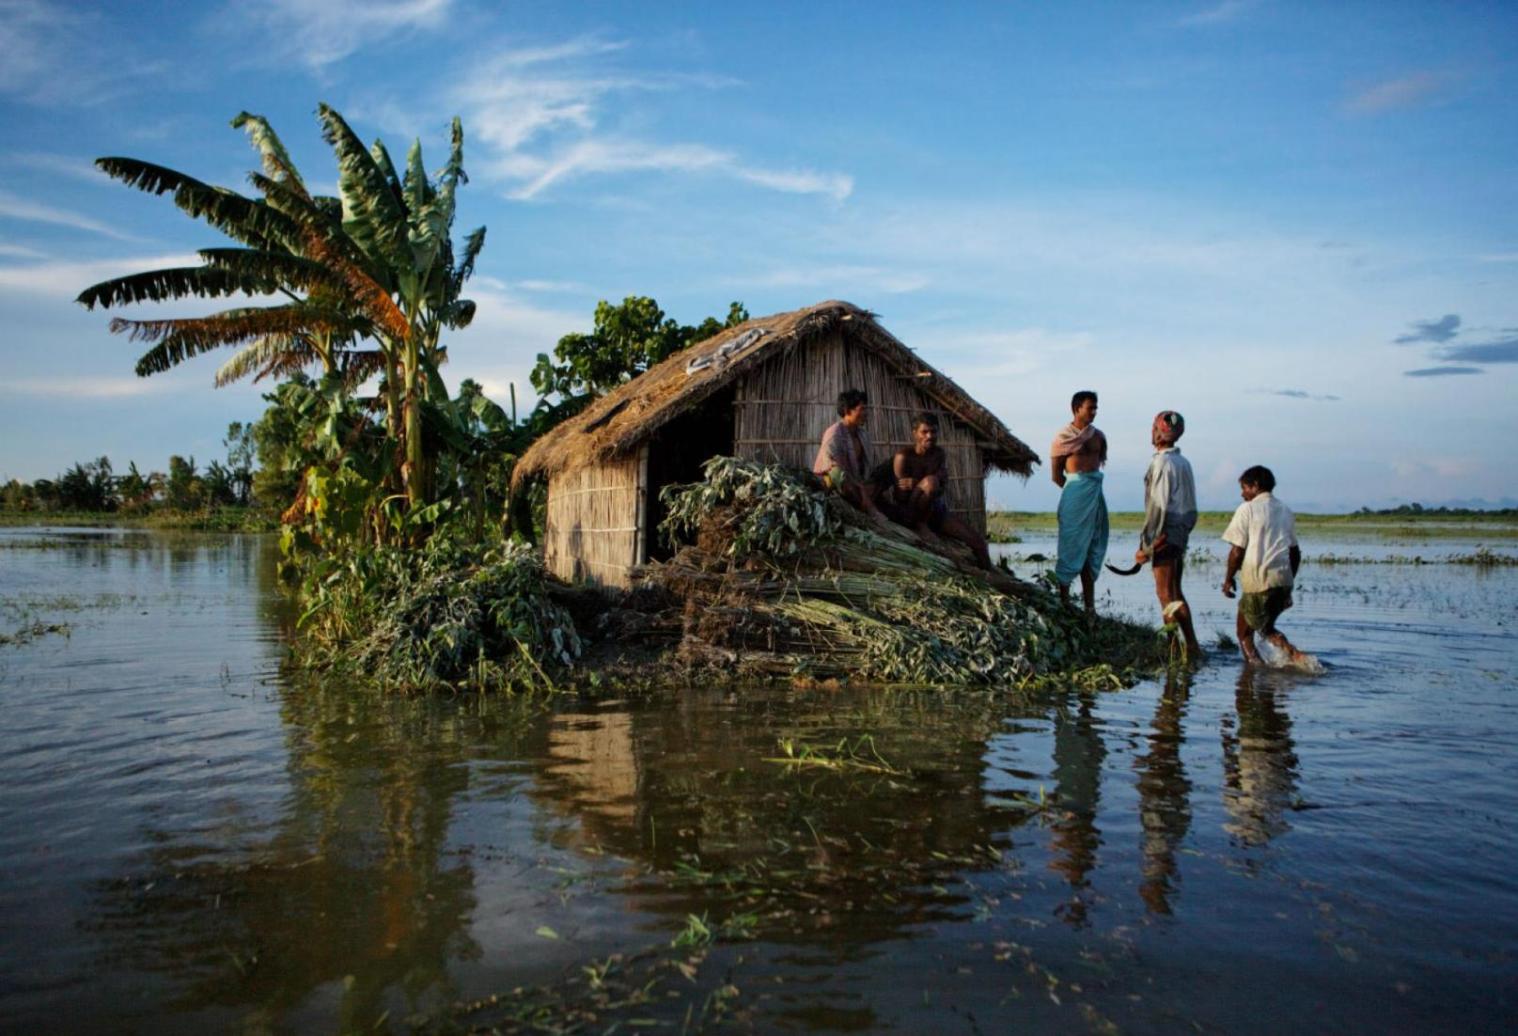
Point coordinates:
pixel 784 579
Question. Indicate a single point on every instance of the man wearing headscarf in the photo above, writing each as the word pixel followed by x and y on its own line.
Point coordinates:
pixel 1169 517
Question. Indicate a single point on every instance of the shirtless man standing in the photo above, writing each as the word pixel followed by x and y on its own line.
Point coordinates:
pixel 1075 462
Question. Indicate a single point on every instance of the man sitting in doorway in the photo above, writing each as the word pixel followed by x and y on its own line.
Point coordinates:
pixel 843 459
pixel 921 473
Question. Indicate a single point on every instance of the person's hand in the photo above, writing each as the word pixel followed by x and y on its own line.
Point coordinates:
pixel 904 484
pixel 1141 555
pixel 1228 588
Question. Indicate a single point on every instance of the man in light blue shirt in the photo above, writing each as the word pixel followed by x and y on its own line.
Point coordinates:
pixel 1169 517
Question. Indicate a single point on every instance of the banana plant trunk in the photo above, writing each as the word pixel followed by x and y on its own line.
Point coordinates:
pixel 413 471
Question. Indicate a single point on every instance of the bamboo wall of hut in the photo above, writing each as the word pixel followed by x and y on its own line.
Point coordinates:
pixel 594 526
pixel 783 407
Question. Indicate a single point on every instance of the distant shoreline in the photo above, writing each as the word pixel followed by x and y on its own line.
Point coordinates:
pixel 1000 525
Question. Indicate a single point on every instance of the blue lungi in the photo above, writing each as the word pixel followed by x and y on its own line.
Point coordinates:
pixel 1082 526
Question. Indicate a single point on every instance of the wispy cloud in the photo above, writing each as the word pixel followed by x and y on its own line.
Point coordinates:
pixel 990 356
pixel 837 281
pixel 1226 11
pixel 19 251
pixel 80 388
pixel 1319 397
pixel 13 206
pixel 1440 372
pixel 541 111
pixel 62 279
pixel 1441 330
pixel 553 287
pixel 321 32
pixel 62 165
pixel 52 53
pixel 1503 350
pixel 1390 94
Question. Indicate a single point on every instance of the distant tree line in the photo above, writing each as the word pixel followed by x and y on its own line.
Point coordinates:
pixel 1408 510
pixel 94 485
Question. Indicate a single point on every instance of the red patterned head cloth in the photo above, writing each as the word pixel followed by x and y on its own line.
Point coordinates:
pixel 1168 427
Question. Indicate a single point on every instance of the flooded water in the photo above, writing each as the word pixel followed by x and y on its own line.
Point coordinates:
pixel 189 842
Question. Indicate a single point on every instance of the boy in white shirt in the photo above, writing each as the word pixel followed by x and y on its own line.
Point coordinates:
pixel 1264 553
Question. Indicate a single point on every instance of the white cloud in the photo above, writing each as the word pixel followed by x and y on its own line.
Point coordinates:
pixel 80 388
pixel 53 54
pixel 322 32
pixel 978 356
pixel 62 165
pixel 802 181
pixel 14 206
pixel 19 251
pixel 539 111
pixel 64 279
pixel 500 346
pixel 837 281
pixel 553 287
pixel 1391 94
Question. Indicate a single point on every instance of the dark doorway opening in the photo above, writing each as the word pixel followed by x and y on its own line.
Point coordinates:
pixel 676 453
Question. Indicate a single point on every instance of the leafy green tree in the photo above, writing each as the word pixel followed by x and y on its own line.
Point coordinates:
pixel 88 487
pixel 624 342
pixel 136 490
pixel 242 452
pixel 16 495
pixel 184 490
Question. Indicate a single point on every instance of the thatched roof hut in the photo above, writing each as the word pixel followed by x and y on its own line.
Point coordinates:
pixel 764 390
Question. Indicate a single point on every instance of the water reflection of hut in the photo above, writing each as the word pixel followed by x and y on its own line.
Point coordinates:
pixel 763 390
pixel 594 756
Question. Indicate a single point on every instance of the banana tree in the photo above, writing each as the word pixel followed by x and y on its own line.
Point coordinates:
pixel 374 265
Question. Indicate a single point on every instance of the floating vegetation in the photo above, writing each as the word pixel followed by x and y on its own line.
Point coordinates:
pixel 859 754
pixel 1481 557
pixel 32 631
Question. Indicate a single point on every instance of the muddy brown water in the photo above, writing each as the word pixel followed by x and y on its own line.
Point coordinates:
pixel 192 842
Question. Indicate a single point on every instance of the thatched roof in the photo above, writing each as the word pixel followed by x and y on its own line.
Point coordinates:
pixel 622 419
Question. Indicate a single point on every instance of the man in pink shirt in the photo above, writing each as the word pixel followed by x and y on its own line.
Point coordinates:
pixel 843 459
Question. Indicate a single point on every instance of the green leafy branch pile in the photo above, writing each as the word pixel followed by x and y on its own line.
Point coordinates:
pixel 447 615
pixel 791 576
pixel 759 508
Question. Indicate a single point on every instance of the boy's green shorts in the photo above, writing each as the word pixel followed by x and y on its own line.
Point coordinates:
pixel 1261 610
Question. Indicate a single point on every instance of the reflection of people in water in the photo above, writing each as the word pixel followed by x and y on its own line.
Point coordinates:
pixel 1164 796
pixel 1259 764
pixel 1078 755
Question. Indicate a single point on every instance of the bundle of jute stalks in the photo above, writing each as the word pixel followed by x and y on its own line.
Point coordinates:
pixel 780 577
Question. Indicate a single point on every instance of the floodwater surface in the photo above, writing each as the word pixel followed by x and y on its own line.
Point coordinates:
pixel 191 841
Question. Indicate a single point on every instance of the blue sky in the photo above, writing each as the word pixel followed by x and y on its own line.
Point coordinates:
pixel 1296 223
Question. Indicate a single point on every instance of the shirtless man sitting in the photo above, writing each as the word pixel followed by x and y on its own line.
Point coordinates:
pixel 1076 458
pixel 917 494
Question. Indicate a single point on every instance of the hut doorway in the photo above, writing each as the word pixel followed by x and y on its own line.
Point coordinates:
pixel 676 453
